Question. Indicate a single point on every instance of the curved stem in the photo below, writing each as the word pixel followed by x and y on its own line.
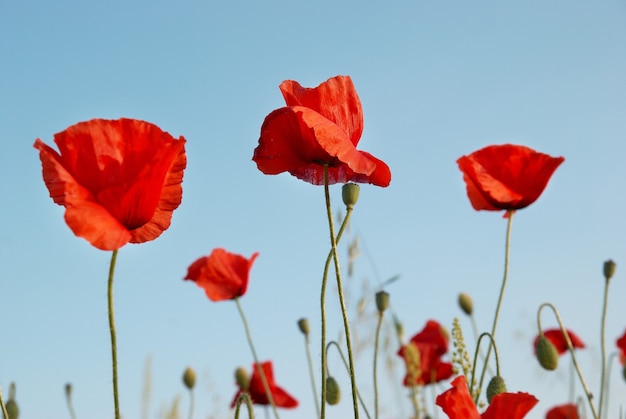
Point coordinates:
pixel 345 364
pixel 378 327
pixel 507 248
pixel 244 397
pixel 112 331
pixel 70 407
pixel 266 386
pixel 603 346
pixel 312 374
pixel 570 347
pixel 344 311
pixel 492 342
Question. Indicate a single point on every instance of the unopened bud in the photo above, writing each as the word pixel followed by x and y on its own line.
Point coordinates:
pixel 189 378
pixel 466 303
pixel 241 376
pixel 68 390
pixel 303 325
pixel 546 352
pixel 350 194
pixel 11 404
pixel 333 393
pixel 495 387
pixel 382 300
pixel 624 372
pixel 609 269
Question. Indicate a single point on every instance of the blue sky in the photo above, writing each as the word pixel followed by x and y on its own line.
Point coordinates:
pixel 437 80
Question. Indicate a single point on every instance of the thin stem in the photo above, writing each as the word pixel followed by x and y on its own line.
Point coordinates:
pixel 344 311
pixel 4 408
pixel 244 397
pixel 112 330
pixel 568 341
pixel 256 358
pixel 378 327
pixel 414 401
pixel 603 346
pixel 70 407
pixel 311 373
pixel 507 248
pixel 345 364
pixel 492 342
pixel 608 380
pixel 191 403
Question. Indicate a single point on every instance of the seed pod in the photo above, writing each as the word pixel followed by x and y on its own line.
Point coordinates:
pixel 609 269
pixel 189 378
pixel 466 303
pixel 11 404
pixel 303 325
pixel 333 392
pixel 350 194
pixel 495 387
pixel 547 354
pixel 382 301
pixel 241 376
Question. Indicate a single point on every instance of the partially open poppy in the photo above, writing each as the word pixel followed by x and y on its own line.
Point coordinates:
pixel 506 177
pixel 423 354
pixel 257 390
pixel 621 346
pixel 457 403
pixel 319 127
pixel 222 275
pixel 558 340
pixel 564 411
pixel 119 180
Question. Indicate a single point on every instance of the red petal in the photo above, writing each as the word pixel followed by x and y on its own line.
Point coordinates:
pixel 510 406
pixel 565 411
pixel 257 390
pixel 457 402
pixel 558 340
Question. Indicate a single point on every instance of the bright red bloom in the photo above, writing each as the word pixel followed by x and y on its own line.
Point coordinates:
pixel 457 403
pixel 621 345
pixel 506 177
pixel 558 340
pixel 222 275
pixel 564 411
pixel 119 181
pixel 257 390
pixel 431 344
pixel 319 126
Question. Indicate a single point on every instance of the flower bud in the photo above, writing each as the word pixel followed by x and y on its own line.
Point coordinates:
pixel 382 301
pixel 333 393
pixel 466 303
pixel 11 404
pixel 350 194
pixel 609 269
pixel 495 387
pixel 624 372
pixel 547 354
pixel 189 378
pixel 303 325
pixel 241 376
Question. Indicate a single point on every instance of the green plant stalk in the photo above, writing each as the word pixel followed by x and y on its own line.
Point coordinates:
pixel 256 358
pixel 70 407
pixel 112 331
pixel 344 311
pixel 476 352
pixel 570 347
pixel 378 327
pixel 191 403
pixel 414 402
pixel 311 373
pixel 603 346
pixel 244 397
pixel 507 249
pixel 4 408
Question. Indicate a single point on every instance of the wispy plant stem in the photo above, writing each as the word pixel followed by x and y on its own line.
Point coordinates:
pixel 603 347
pixel 4 408
pixel 112 331
pixel 311 373
pixel 378 327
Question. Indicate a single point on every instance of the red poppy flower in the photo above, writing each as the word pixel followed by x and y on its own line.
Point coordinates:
pixel 119 181
pixel 319 127
pixel 506 177
pixel 431 344
pixel 222 275
pixel 558 340
pixel 457 403
pixel 257 390
pixel 564 411
pixel 621 346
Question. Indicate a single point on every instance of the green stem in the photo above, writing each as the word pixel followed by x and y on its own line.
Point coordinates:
pixel 244 397
pixel 70 407
pixel 112 330
pixel 507 248
pixel 570 347
pixel 4 408
pixel 344 311
pixel 378 327
pixel 191 403
pixel 312 374
pixel 414 402
pixel 492 342
pixel 256 358
pixel 603 346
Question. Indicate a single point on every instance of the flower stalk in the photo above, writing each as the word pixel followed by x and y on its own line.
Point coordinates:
pixel 112 332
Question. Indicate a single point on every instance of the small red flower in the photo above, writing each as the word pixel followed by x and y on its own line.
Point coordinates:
pixel 431 344
pixel 222 275
pixel 558 340
pixel 564 411
pixel 457 403
pixel 257 390
pixel 119 181
pixel 621 346
pixel 506 177
pixel 319 126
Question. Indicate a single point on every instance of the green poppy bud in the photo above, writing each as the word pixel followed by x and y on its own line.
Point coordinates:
pixel 495 387
pixel 350 194
pixel 466 303
pixel 333 393
pixel 241 376
pixel 303 325
pixel 189 378
pixel 547 354
pixel 11 404
pixel 624 372
pixel 609 269
pixel 382 300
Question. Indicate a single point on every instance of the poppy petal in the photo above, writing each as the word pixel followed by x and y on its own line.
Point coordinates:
pixel 510 406
pixel 457 402
pixel 564 411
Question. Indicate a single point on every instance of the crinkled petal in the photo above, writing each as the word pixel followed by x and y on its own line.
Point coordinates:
pixel 564 411
pixel 457 402
pixel 510 406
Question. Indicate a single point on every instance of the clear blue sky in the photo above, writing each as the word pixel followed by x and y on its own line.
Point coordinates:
pixel 437 80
